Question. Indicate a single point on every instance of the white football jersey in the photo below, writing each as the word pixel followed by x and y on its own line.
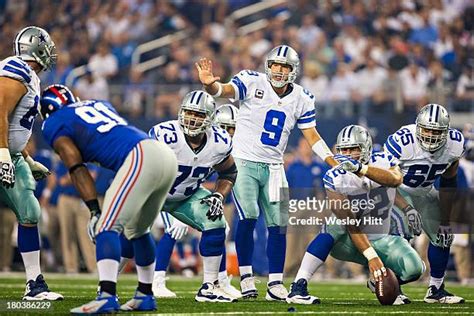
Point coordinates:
pixel 421 168
pixel 23 116
pixel 265 120
pixel 193 167
pixel 373 200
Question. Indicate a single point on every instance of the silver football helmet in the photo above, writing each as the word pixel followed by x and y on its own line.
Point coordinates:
pixel 432 126
pixel 226 116
pixel 196 113
pixel 355 136
pixel 34 44
pixel 286 55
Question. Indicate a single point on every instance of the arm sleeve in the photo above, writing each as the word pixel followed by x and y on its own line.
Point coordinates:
pixel 307 117
pixel 242 82
pixel 393 148
pixel 16 69
pixel 52 129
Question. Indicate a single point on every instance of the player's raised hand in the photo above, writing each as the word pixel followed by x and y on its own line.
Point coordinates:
pixel 204 67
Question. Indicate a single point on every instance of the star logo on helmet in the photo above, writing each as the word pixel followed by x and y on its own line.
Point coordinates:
pixel 42 39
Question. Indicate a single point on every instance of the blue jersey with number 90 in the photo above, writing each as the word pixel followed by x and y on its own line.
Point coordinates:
pixel 100 134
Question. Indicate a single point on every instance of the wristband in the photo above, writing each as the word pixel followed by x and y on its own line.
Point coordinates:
pixel 29 160
pixel 46 193
pixel 5 155
pixel 219 90
pixel 363 170
pixel 370 253
pixel 221 197
pixel 76 166
pixel 322 150
pixel 407 208
pixel 93 206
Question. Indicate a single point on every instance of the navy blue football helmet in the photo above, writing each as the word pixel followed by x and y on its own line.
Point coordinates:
pixel 54 98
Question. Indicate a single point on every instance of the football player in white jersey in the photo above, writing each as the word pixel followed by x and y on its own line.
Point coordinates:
pixel 175 229
pixel 271 104
pixel 19 98
pixel 200 147
pixel 367 182
pixel 426 151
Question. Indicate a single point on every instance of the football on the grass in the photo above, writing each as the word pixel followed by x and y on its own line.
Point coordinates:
pixel 388 289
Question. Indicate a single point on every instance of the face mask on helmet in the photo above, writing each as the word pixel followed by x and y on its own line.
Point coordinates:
pixel 34 44
pixel 432 126
pixel 281 66
pixel 193 122
pixel 355 142
pixel 431 139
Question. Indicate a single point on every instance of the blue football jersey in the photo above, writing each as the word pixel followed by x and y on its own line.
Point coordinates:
pixel 101 135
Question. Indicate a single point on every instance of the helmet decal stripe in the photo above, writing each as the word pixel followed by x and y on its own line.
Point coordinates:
pixel 17 41
pixel 437 114
pixel 350 131
pixel 286 51
pixel 58 94
pixel 279 50
pixel 192 98
pixel 199 98
pixel 431 113
pixel 344 132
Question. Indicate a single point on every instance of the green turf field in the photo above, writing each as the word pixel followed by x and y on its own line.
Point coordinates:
pixel 337 298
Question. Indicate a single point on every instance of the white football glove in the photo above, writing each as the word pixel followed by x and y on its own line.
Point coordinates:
pixel 7 169
pixel 354 166
pixel 38 170
pixel 178 230
pixel 92 225
pixel 414 220
pixel 216 209
pixel 445 236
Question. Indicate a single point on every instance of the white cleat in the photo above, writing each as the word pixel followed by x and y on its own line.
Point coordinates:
pixel 299 294
pixel 434 295
pixel 247 286
pixel 38 290
pixel 276 291
pixel 210 293
pixel 402 299
pixel 159 288
pixel 226 286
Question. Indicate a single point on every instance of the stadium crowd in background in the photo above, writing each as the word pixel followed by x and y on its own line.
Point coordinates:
pixel 358 58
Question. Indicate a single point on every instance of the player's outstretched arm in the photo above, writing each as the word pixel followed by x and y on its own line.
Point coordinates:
pixel 80 175
pixel 319 146
pixel 337 202
pixel 392 177
pixel 211 84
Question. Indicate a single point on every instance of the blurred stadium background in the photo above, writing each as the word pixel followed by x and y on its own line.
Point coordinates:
pixel 368 62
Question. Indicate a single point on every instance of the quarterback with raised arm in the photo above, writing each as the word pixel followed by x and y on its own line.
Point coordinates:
pixel 271 104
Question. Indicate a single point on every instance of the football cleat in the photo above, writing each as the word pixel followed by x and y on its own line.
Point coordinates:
pixel 434 295
pixel 210 293
pixel 226 286
pixel 38 291
pixel 299 294
pixel 159 288
pixel 247 286
pixel 401 299
pixel 140 302
pixel 103 304
pixel 276 291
